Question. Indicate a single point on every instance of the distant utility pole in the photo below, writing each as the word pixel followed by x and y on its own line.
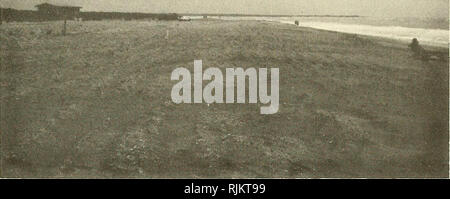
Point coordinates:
pixel 1 16
pixel 65 25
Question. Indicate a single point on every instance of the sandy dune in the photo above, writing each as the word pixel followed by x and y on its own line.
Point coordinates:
pixel 96 103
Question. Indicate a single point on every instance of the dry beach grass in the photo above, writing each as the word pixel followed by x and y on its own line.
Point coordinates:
pixel 96 103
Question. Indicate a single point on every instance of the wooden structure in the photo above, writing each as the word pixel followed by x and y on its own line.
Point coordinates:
pixel 48 11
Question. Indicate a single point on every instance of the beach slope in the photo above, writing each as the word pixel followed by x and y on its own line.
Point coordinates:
pixel 96 103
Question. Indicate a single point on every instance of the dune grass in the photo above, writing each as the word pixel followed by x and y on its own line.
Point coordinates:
pixel 96 103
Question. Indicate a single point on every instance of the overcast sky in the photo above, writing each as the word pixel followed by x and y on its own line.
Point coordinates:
pixel 391 8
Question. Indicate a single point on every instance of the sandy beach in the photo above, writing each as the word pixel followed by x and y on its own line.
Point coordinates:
pixel 96 103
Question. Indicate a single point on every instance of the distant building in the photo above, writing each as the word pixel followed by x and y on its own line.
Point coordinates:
pixel 48 11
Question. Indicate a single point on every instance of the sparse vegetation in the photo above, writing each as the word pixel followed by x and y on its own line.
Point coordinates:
pixel 96 103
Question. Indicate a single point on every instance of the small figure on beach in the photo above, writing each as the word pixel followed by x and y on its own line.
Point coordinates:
pixel 418 51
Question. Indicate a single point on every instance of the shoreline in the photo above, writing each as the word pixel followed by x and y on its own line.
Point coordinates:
pixel 349 29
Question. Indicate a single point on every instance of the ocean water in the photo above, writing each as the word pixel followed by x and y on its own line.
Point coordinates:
pixel 429 31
